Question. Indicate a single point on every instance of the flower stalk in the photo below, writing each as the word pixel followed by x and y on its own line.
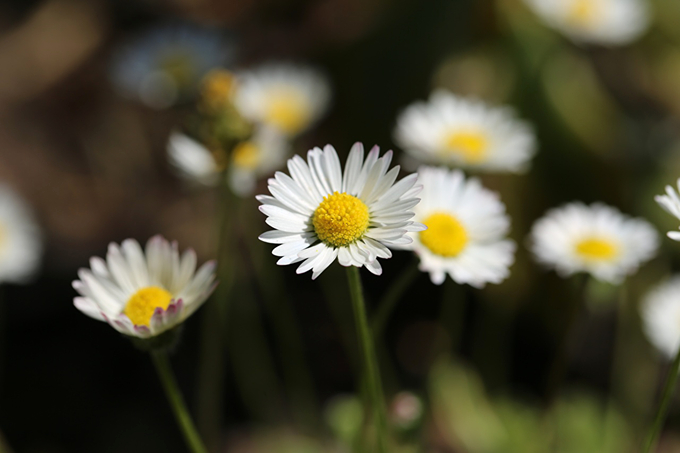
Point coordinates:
pixel 172 392
pixel 374 399
pixel 666 398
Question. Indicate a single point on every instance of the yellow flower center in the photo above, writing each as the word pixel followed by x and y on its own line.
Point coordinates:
pixel 582 12
pixel 596 249
pixel 445 235
pixel 217 89
pixel 144 302
pixel 246 155
pixel 471 146
pixel 340 219
pixel 288 111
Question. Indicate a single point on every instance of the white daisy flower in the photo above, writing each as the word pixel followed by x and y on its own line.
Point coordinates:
pixel 660 313
pixel 250 160
pixel 20 239
pixel 671 204
pixel 597 239
pixel 259 156
pixel 607 22
pixel 290 98
pixel 144 294
pixel 466 230
pixel 166 64
pixel 459 131
pixel 320 213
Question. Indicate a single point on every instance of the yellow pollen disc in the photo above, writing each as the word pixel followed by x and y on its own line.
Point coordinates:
pixel 340 219
pixel 246 155
pixel 444 236
pixel 144 302
pixel 582 12
pixel 218 86
pixel 288 111
pixel 471 146
pixel 595 249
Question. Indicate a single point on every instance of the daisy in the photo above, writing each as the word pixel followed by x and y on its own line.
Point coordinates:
pixel 607 22
pixel 259 156
pixel 466 230
pixel 250 160
pixel 459 131
pixel 166 64
pixel 193 161
pixel 144 294
pixel 20 239
pixel 671 204
pixel 596 239
pixel 660 313
pixel 287 97
pixel 320 213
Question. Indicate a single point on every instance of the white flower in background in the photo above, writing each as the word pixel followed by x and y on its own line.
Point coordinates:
pixel 607 22
pixel 465 132
pixel 320 213
pixel 288 97
pixel 671 204
pixel 250 160
pixel 660 313
pixel 259 156
pixel 192 160
pixel 20 239
pixel 166 64
pixel 466 230
pixel 144 294
pixel 597 239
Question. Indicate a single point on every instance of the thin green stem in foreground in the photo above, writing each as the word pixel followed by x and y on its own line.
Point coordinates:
pixel 193 440
pixel 371 372
pixel 667 395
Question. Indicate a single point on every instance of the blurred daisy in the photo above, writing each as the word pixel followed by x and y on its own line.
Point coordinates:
pixel 194 161
pixel 166 64
pixel 660 313
pixel 20 239
pixel 466 230
pixel 320 213
pixel 608 22
pixel 597 239
pixel 290 98
pixel 250 160
pixel 458 131
pixel 671 204
pixel 259 156
pixel 144 294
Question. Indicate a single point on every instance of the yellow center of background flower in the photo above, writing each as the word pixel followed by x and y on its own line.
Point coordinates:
pixel 218 86
pixel 340 219
pixel 144 302
pixel 595 249
pixel 471 146
pixel 444 236
pixel 582 12
pixel 288 111
pixel 246 155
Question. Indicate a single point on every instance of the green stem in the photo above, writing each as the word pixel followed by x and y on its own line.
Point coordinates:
pixel 193 440
pixel 211 369
pixel 559 365
pixel 371 372
pixel 393 295
pixel 668 389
